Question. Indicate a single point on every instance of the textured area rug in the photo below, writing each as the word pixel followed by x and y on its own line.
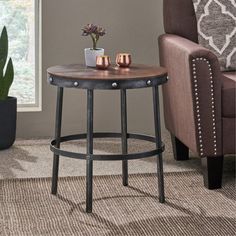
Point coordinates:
pixel 33 159
pixel 28 208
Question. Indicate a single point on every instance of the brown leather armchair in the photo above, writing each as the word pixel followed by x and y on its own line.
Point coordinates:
pixel 199 100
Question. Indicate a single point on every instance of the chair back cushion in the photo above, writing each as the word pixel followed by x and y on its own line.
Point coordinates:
pixel 180 18
pixel 216 24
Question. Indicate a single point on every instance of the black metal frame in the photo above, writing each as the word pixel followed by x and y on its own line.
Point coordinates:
pixel 57 138
pixel 90 85
pixel 89 158
pixel 124 135
pixel 106 84
pixel 106 157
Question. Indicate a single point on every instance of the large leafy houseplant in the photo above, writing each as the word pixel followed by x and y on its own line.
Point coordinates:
pixel 6 67
pixel 7 104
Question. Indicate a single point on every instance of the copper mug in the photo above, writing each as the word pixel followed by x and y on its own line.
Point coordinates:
pixel 123 59
pixel 103 62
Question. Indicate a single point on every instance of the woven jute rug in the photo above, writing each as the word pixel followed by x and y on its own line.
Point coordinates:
pixel 28 208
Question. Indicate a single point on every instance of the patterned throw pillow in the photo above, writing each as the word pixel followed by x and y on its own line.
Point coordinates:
pixel 216 20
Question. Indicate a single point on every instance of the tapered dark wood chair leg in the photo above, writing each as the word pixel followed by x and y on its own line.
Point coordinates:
pixel 212 168
pixel 180 150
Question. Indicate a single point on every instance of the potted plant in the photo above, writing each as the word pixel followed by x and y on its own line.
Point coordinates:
pixel 95 32
pixel 7 104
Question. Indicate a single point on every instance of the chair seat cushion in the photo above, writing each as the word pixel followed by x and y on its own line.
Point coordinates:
pixel 229 94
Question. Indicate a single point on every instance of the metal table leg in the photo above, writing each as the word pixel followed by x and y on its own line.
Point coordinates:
pixel 157 122
pixel 89 164
pixel 57 137
pixel 124 135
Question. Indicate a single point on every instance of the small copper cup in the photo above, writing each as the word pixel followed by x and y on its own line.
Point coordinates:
pixel 123 59
pixel 103 62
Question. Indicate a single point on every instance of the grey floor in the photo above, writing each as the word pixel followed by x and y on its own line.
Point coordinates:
pixel 33 159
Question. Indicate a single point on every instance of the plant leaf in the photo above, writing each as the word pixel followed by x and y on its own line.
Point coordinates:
pixel 4 45
pixel 1 69
pixel 8 79
pixel 1 78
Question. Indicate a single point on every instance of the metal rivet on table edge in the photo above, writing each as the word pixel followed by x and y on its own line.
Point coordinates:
pixel 50 79
pixel 114 85
pixel 149 82
pixel 76 84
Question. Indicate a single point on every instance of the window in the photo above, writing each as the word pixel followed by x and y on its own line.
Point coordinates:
pixel 21 17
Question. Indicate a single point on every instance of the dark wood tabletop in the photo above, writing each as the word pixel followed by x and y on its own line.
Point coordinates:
pixel 134 72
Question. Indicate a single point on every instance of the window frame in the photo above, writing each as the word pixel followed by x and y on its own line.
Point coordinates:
pixel 37 106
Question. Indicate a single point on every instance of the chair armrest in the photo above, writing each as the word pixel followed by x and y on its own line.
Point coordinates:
pixel 192 96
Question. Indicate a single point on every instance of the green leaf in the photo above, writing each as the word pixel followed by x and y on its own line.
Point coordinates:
pixel 1 69
pixel 4 45
pixel 1 78
pixel 8 79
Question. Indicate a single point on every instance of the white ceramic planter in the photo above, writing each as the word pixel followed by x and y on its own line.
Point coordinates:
pixel 91 55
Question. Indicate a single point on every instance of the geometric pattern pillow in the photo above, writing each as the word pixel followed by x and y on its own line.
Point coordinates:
pixel 216 21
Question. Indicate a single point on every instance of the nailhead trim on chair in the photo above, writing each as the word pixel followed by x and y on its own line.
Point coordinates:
pixel 199 126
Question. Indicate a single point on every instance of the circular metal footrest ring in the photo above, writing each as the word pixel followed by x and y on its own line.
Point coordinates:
pixel 106 157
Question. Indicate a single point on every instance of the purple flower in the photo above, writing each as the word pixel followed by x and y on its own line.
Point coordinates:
pixel 94 31
pixel 101 31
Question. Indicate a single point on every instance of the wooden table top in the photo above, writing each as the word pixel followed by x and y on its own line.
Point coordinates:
pixel 134 72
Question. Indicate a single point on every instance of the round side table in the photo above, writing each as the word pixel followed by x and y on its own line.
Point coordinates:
pixel 81 77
